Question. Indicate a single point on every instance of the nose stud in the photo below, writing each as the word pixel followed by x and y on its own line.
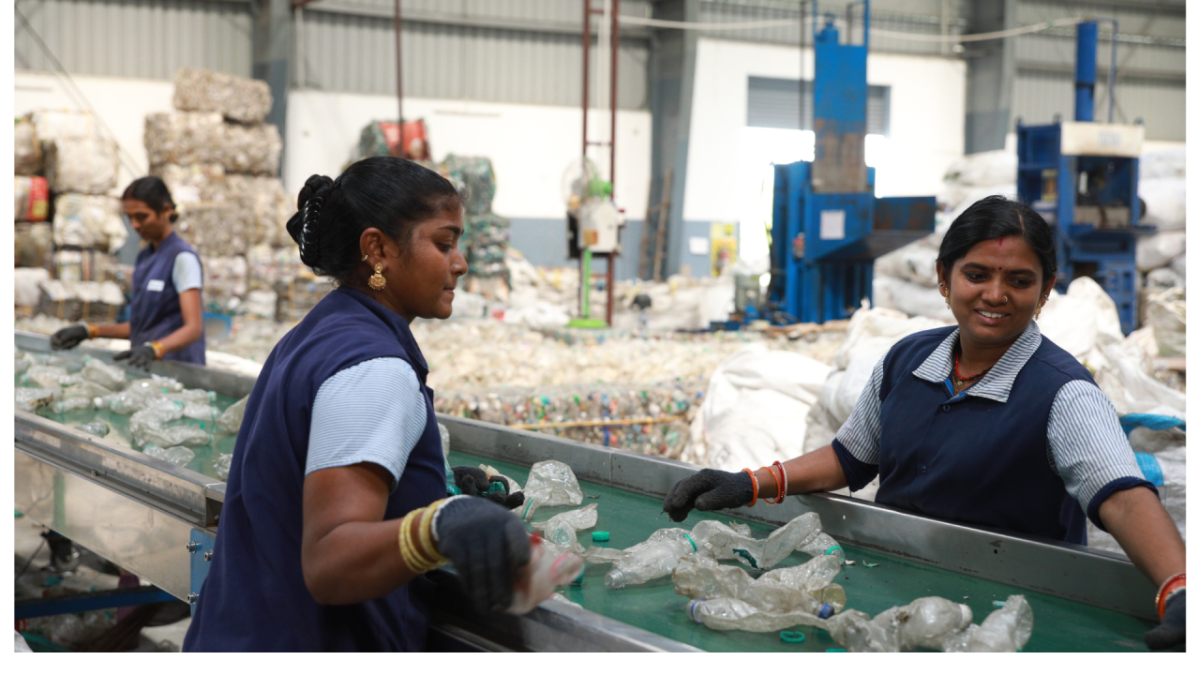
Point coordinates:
pixel 1006 299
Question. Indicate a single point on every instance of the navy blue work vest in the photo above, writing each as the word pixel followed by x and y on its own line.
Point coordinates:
pixel 976 460
pixel 154 312
pixel 255 598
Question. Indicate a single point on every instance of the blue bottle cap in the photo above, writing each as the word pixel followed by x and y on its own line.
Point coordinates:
pixel 826 611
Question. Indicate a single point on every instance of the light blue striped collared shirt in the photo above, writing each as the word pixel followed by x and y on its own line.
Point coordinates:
pixel 1084 445
pixel 370 412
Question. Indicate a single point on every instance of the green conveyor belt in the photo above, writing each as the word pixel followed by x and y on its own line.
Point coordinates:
pixel 206 455
pixel 1058 625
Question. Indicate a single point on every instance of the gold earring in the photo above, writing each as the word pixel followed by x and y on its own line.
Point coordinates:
pixel 377 282
pixel 364 258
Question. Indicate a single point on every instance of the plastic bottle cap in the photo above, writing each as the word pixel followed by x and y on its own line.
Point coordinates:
pixel 794 637
pixel 826 611
pixel 831 549
pixel 600 536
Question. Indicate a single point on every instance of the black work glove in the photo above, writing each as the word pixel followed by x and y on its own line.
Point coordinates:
pixel 141 357
pixel 69 337
pixel 708 490
pixel 472 481
pixel 487 545
pixel 1172 632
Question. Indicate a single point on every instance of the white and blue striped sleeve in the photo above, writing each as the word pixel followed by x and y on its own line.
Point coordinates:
pixel 857 441
pixel 1088 448
pixel 185 273
pixel 371 412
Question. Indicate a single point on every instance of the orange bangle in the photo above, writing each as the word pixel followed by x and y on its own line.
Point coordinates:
pixel 778 485
pixel 1169 586
pixel 91 331
pixel 754 482
pixel 781 481
pixel 158 349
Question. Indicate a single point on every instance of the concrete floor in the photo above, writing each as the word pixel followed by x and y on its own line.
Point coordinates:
pixel 35 580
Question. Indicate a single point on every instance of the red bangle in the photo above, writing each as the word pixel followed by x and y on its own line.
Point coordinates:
pixel 1169 586
pixel 784 487
pixel 754 482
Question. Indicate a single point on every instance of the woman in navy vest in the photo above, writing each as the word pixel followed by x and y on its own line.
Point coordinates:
pixel 165 316
pixel 335 504
pixel 987 422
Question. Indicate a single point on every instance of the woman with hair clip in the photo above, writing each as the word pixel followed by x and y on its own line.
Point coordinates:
pixel 166 319
pixel 336 502
pixel 986 422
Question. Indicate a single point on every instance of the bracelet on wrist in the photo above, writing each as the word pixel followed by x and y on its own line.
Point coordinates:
pixel 1167 589
pixel 92 330
pixel 754 482
pixel 158 349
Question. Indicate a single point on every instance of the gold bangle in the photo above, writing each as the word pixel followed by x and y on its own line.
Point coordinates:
pixel 92 333
pixel 158 349
pixel 425 531
pixel 408 553
pixel 413 558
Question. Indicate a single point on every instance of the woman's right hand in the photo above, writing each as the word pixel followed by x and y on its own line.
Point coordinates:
pixel 708 490
pixel 69 337
pixel 487 544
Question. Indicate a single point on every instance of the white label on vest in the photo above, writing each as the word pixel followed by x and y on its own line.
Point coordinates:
pixel 155 285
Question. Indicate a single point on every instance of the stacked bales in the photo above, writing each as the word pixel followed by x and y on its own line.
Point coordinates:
pixel 220 161
pixel 66 221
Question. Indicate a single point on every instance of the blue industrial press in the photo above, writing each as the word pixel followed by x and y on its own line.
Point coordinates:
pixel 828 227
pixel 1082 176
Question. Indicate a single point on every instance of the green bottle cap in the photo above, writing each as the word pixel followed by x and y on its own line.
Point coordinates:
pixel 795 637
pixel 600 536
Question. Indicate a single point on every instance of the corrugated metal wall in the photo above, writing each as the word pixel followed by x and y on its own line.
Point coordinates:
pixel 135 38
pixel 1150 65
pixel 520 51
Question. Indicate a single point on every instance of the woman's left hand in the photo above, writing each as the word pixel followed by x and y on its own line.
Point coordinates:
pixel 141 356
pixel 474 482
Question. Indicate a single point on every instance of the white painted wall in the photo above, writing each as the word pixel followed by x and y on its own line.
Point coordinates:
pixel 530 146
pixel 927 114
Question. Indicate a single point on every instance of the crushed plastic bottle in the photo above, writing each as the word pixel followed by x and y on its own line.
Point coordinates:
pixel 230 421
pixel 551 483
pixel 561 529
pixel 71 404
pixel 537 580
pixel 85 389
pixel 31 399
pixel 97 428
pixel 222 465
pixel 147 426
pixel 43 376
pixel 808 587
pixel 177 454
pixel 1005 630
pixel 138 394
pixel 935 623
pixel 104 374
pixel 737 614
pixel 722 541
pixel 654 558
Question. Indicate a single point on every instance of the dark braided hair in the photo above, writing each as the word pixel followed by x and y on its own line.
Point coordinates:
pixel 388 193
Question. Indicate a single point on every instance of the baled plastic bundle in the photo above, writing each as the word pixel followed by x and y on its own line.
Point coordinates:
pixel 216 229
pixel 235 98
pixel 477 175
pixel 83 265
pixel 224 280
pixel 264 200
pixel 92 301
pixel 27 151
pixel 192 183
pixel 203 138
pixel 268 266
pixel 34 244
pixel 51 125
pixel 31 199
pixel 86 165
pixel 301 293
pixel 89 221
